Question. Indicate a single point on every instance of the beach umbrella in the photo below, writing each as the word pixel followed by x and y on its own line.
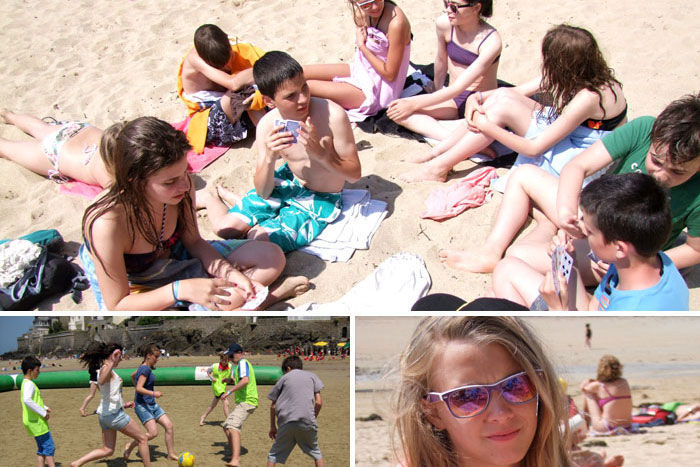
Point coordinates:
pixel 321 343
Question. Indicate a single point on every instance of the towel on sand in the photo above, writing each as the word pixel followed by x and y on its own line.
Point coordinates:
pixel 353 229
pixel 470 192
pixel 395 285
pixel 195 164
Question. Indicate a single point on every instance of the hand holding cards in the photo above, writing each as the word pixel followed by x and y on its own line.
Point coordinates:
pixel 562 262
pixel 291 126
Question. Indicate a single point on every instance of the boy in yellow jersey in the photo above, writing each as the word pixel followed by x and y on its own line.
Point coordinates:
pixel 245 391
pixel 217 373
pixel 35 414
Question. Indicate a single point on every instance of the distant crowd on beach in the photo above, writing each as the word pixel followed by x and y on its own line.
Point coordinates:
pixel 624 221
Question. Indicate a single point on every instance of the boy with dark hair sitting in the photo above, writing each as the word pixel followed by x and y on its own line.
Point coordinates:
pixel 626 220
pixel 291 205
pixel 215 80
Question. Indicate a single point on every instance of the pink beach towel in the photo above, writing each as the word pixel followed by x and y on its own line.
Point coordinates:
pixel 470 192
pixel 195 164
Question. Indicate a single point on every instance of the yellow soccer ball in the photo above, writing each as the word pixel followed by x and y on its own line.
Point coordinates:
pixel 186 459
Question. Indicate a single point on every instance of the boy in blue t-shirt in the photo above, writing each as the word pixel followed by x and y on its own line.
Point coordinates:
pixel 626 220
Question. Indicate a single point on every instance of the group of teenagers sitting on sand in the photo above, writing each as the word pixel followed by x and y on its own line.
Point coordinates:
pixel 640 189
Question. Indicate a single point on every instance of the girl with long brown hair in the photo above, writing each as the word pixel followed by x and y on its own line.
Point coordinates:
pixel 143 250
pixel 586 101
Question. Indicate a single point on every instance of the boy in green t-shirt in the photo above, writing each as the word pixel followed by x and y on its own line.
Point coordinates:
pixel 245 391
pixel 218 373
pixel 35 414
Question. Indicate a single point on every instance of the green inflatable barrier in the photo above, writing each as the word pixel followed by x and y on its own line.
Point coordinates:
pixel 166 376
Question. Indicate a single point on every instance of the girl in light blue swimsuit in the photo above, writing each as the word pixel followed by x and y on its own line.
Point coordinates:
pixel 62 150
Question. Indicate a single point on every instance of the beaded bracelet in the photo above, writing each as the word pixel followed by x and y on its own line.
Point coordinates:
pixel 174 286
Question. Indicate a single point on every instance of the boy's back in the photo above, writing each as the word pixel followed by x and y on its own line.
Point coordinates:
pixel 294 394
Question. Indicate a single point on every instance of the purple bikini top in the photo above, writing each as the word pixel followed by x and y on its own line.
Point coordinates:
pixel 463 56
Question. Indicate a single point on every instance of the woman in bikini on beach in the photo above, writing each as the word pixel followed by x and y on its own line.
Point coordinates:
pixel 60 151
pixel 587 101
pixel 378 72
pixel 478 391
pixel 143 250
pixel 608 398
pixel 468 50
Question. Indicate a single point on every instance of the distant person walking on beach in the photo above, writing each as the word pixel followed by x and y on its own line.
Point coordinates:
pixel 296 402
pixel 589 334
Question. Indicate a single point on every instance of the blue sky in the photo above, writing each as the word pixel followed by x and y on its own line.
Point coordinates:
pixel 10 329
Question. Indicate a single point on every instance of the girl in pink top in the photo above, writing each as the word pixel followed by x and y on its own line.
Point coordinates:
pixel 378 73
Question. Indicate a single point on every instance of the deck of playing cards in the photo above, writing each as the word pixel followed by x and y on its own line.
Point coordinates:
pixel 562 262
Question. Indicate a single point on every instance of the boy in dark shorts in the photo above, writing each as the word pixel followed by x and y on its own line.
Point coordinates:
pixel 296 402
pixel 215 81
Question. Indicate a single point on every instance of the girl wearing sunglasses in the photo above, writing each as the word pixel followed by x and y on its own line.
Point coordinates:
pixel 468 49
pixel 477 391
pixel 586 102
pixel 378 72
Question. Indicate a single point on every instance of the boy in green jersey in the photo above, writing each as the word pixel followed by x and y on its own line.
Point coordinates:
pixel 218 373
pixel 35 414
pixel 245 391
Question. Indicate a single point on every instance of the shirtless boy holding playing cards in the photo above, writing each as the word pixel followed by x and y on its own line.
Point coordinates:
pixel 292 204
pixel 626 219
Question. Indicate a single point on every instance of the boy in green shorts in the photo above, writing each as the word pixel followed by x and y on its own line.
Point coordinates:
pixel 217 373
pixel 246 398
pixel 35 414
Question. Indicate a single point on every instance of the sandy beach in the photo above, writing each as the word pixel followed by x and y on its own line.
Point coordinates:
pixel 659 357
pixel 74 435
pixel 115 60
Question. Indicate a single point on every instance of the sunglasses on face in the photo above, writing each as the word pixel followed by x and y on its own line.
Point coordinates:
pixel 470 401
pixel 365 3
pixel 454 7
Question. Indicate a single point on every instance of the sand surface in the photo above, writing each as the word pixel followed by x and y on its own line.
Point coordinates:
pixel 114 60
pixel 75 436
pixel 659 357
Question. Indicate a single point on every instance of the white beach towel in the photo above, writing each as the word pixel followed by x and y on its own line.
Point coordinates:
pixel 16 256
pixel 352 230
pixel 395 285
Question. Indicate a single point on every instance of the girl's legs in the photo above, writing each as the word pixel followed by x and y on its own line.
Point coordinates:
pixel 320 80
pixel 109 439
pixel 263 261
pixel 506 108
pixel 214 401
pixel 132 430
pixel 167 425
pixel 527 184
pixel 28 154
pixel 29 124
pixel 151 433
pixel 516 281
pixel 427 121
pixel 222 224
pixel 453 138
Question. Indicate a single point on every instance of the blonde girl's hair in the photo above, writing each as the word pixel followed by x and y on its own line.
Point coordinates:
pixel 571 62
pixel 420 444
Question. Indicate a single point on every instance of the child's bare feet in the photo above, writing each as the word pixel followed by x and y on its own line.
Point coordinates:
pixel 482 261
pixel 3 115
pixel 231 463
pixel 227 196
pixel 423 173
pixel 172 457
pixel 615 461
pixel 201 421
pixel 419 158
pixel 127 452
pixel 287 287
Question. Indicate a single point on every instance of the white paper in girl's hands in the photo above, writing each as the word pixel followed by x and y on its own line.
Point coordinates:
pixel 253 302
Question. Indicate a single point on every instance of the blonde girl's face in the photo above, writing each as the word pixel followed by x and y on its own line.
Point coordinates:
pixel 500 435
pixel 169 184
